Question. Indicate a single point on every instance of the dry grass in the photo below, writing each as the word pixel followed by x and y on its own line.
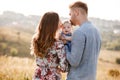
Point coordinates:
pixel 107 65
pixel 14 68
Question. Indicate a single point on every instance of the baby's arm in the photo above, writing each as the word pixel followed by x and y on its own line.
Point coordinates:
pixel 68 38
pixel 65 38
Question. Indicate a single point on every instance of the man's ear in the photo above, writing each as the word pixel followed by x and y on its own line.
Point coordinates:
pixel 76 12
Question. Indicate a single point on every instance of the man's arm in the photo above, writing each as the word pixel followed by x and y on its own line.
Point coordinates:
pixel 78 44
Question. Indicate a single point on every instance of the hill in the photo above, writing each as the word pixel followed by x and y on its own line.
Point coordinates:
pixel 9 18
pixel 15 41
pixel 16 31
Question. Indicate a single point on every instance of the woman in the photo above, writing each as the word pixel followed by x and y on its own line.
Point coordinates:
pixel 48 50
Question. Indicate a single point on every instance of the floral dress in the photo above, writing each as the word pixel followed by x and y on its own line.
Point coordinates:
pixel 49 67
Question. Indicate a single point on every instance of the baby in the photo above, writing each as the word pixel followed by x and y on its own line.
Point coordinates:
pixel 66 34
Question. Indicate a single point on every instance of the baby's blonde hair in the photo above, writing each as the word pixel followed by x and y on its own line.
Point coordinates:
pixel 66 22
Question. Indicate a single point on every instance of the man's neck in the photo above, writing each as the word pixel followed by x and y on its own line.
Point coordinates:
pixel 82 19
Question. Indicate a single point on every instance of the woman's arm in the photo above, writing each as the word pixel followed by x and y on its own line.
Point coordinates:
pixel 62 56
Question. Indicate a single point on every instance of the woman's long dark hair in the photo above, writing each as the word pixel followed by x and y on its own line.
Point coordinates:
pixel 44 37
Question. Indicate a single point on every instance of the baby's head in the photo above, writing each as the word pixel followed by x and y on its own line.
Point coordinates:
pixel 67 27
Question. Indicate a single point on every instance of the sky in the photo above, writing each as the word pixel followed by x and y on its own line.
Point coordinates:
pixel 103 9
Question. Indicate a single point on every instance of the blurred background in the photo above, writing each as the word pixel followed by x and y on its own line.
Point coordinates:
pixel 19 19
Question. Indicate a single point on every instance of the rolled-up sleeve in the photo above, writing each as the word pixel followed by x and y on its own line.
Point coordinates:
pixel 78 44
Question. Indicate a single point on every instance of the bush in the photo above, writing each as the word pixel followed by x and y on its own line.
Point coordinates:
pixel 3 45
pixel 114 73
pixel 118 60
pixel 3 48
pixel 113 46
pixel 13 51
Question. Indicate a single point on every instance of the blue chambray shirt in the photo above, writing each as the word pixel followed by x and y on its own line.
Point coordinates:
pixel 86 44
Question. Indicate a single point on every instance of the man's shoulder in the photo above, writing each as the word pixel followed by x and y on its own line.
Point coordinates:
pixel 88 27
pixel 78 33
pixel 79 30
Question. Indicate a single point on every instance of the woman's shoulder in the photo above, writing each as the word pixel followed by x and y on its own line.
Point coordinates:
pixel 58 41
pixel 59 44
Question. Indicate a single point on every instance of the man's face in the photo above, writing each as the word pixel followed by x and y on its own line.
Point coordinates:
pixel 72 17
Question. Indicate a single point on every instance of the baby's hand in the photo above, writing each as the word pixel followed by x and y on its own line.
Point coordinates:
pixel 63 37
pixel 64 41
pixel 68 38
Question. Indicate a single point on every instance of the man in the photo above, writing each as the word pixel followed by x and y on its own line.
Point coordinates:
pixel 86 43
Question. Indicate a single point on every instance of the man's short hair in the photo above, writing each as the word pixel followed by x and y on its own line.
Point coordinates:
pixel 79 4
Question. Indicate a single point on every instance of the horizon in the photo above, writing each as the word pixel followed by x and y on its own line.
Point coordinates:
pixel 101 9
pixel 60 16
